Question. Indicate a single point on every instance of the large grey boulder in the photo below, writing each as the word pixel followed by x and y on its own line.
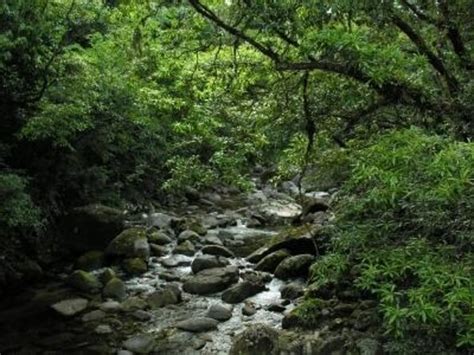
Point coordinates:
pixel 294 266
pixel 211 280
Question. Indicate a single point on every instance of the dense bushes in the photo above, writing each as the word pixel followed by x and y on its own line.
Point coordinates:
pixel 404 229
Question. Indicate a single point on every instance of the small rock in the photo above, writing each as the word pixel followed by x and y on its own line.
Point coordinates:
pixel 197 324
pixel 208 262
pixel 241 291
pixel 164 297
pixel 70 307
pixel 292 291
pixel 115 289
pixel 135 266
pixel 141 344
pixel 219 312
pixel 275 307
pixel 157 250
pixel 133 303
pixel 110 306
pixel 159 238
pixel 249 309
pixel 103 329
pixel 107 275
pixel 124 352
pixel 210 240
pixel 217 250
pixel 142 315
pixel 211 280
pixel 175 261
pixel 188 235
pixel 185 248
pixel 93 316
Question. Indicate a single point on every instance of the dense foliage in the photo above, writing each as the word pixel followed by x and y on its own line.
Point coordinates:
pixel 404 228
pixel 133 101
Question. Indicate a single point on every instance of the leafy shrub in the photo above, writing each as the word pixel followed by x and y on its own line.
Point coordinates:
pixel 16 208
pixel 404 226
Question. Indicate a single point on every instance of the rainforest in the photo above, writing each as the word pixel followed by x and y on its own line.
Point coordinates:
pixel 236 177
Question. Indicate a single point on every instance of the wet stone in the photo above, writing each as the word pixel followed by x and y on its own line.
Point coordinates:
pixel 197 324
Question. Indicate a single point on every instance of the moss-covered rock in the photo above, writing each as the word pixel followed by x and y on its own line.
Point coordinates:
pixel 135 266
pixel 91 260
pixel 270 262
pixel 185 248
pixel 294 266
pixel 107 275
pixel 115 289
pixel 84 281
pixel 130 243
pixel 256 339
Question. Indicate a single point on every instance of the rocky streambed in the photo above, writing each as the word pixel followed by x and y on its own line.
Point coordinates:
pixel 204 278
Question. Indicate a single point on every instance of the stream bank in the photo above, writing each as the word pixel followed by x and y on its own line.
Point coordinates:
pixel 221 273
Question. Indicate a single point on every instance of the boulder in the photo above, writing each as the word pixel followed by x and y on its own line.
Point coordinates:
pixel 159 238
pixel 91 260
pixel 131 243
pixel 115 289
pixel 211 280
pixel 219 312
pixel 217 250
pixel 84 281
pixel 249 309
pixel 164 297
pixel 208 262
pixel 157 250
pixel 135 266
pixel 270 262
pixel 107 275
pixel 93 316
pixel 185 248
pixel 159 220
pixel 133 303
pixel 91 227
pixel 256 339
pixel 294 266
pixel 292 291
pixel 140 344
pixel 296 240
pixel 70 307
pixel 241 291
pixel 190 235
pixel 197 324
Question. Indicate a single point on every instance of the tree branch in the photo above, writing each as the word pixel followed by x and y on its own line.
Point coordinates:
pixel 423 48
